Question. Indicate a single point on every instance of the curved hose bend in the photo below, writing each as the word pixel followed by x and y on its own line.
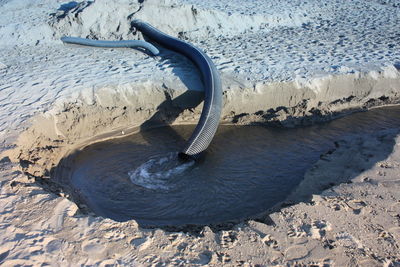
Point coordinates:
pixel 211 113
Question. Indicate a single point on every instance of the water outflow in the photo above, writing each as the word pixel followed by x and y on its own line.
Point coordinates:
pixel 157 172
pixel 247 170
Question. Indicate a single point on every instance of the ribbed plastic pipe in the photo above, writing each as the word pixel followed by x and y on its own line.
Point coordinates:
pixel 111 44
pixel 211 113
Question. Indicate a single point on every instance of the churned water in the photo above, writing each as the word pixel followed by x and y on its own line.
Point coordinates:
pixel 246 170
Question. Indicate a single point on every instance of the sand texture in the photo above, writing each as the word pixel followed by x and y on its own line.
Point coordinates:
pixel 282 63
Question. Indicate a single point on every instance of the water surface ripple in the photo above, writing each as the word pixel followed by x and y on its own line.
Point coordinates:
pixel 246 170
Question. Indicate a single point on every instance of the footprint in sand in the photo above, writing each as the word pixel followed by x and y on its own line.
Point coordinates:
pixel 203 258
pixel 323 263
pixel 270 241
pixel 356 205
pixel 93 247
pixel 319 228
pixel 62 209
pixel 51 245
pixel 347 240
pixel 228 239
pixel 296 253
pixel 297 231
pixel 141 243
pixel 339 203
pixel 223 257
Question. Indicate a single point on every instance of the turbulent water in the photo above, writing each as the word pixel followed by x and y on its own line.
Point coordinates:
pixel 246 170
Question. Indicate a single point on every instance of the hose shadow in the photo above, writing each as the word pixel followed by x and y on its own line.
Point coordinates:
pixel 166 114
pixel 169 110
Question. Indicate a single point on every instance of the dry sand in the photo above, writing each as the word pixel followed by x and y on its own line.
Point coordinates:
pixel 292 64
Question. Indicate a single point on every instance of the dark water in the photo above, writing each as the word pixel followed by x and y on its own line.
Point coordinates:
pixel 246 170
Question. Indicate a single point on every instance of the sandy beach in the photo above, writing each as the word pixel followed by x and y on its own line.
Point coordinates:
pixel 283 64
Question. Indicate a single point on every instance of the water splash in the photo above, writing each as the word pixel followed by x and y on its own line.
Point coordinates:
pixel 156 173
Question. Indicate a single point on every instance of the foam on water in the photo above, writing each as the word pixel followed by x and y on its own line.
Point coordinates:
pixel 157 171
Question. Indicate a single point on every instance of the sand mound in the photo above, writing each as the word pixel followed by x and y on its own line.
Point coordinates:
pixel 111 19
